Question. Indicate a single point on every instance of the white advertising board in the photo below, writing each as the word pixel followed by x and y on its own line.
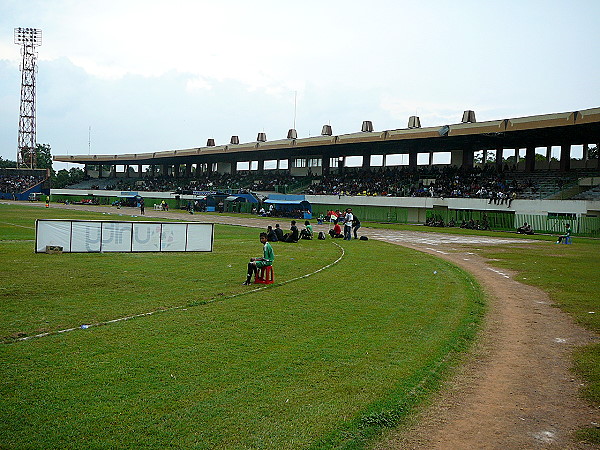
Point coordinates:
pixel 84 236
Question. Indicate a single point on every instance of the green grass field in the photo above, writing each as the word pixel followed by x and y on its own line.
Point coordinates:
pixel 323 361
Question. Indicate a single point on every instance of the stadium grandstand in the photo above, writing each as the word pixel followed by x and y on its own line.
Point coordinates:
pixel 23 184
pixel 510 170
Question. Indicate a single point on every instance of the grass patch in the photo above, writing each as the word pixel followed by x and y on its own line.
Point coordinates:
pixel 324 361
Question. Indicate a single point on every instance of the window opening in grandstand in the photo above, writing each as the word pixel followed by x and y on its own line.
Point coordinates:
pixel 242 165
pixel 354 161
pixel 576 151
pixel 422 159
pixel 253 165
pixel 334 163
pixel 315 162
pixel 284 164
pixel 397 159
pixel 509 155
pixel 300 162
pixel 270 164
pixel 442 157
pixel 376 161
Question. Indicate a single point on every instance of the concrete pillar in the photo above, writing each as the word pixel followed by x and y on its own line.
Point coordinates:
pixel 126 168
pixel 565 157
pixel 430 159
pixel 484 159
pixel 326 164
pixel 467 157
pixel 412 160
pixel 586 149
pixel 530 159
pixel 140 173
pixel 188 170
pixel 499 157
pixel 548 153
pixel 99 170
pixel 261 166
pixel 366 162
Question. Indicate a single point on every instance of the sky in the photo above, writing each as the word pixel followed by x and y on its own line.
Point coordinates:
pixel 129 76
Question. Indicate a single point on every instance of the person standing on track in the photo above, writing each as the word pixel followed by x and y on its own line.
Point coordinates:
pixel 348 218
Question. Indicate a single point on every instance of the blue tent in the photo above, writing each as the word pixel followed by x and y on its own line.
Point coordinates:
pixel 291 205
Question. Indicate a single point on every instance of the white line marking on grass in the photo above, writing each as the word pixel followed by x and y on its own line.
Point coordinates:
pixel 498 272
pixel 16 225
pixel 182 307
pixel 437 251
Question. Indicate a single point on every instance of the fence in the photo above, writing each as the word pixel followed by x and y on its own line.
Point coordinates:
pixel 496 220
pixel 507 221
pixel 581 226
pixel 388 214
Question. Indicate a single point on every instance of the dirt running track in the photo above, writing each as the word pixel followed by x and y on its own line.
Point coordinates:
pixel 516 391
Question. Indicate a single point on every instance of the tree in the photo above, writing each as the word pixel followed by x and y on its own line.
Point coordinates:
pixel 66 177
pixel 7 163
pixel 43 156
pixel 593 152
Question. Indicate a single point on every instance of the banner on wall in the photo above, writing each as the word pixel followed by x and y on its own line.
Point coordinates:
pixel 85 236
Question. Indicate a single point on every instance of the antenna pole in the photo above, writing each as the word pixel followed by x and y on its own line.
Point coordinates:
pixel 295 96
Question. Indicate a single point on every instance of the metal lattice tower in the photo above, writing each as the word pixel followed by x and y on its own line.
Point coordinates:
pixel 28 39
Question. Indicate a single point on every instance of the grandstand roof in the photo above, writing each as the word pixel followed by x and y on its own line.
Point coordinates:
pixel 576 127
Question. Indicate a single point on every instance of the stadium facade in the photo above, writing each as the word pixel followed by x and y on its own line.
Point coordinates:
pixel 536 138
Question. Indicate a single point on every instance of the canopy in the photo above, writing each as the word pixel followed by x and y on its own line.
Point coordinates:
pixel 303 204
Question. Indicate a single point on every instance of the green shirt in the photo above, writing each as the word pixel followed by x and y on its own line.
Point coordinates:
pixel 268 253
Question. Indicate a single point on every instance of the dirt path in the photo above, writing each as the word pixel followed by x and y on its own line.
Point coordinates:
pixel 516 390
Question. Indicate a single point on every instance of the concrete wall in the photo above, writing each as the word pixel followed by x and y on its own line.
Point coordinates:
pixel 421 204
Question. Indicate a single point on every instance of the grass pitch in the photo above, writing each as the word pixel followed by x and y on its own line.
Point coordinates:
pixel 323 361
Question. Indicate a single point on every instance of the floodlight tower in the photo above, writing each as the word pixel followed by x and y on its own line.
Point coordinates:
pixel 28 39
